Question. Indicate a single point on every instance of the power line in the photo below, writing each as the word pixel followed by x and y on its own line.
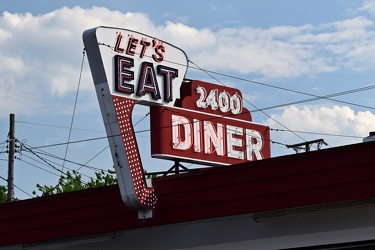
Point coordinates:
pixel 3 179
pixel 141 119
pixel 76 163
pixel 55 126
pixel 147 130
pixel 257 109
pixel 84 165
pixel 17 187
pixel 327 97
pixel 291 90
pixel 74 109
pixel 50 165
pixel 23 191
pixel 45 161
pixel 316 133
pixel 233 77
pixel 73 142
pixel 31 164
pixel 208 73
pixel 59 158
pixel 135 132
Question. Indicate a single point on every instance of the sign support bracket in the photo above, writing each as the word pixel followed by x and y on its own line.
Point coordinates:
pixel 176 168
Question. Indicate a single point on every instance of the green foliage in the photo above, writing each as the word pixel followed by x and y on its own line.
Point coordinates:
pixel 72 181
pixel 103 179
pixel 149 176
pixel 3 194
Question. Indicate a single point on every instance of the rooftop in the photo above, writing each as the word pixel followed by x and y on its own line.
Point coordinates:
pixel 329 179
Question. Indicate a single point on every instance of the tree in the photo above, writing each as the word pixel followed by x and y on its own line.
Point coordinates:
pixel 3 194
pixel 72 181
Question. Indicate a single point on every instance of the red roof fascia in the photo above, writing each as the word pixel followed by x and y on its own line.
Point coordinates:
pixel 318 177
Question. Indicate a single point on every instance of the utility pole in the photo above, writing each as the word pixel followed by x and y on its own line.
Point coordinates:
pixel 307 145
pixel 11 159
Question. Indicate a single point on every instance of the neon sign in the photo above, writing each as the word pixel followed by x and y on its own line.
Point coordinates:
pixel 208 125
pixel 130 68
pixel 192 121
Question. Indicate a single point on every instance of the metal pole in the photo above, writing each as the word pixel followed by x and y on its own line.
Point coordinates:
pixel 11 159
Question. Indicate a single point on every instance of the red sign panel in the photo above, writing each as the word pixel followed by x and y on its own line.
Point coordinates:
pixel 210 128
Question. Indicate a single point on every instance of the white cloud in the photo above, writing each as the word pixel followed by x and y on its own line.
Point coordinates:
pixel 368 6
pixel 263 52
pixel 336 32
pixel 189 39
pixel 42 54
pixel 335 120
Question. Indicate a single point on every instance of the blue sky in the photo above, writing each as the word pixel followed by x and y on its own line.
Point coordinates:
pixel 276 52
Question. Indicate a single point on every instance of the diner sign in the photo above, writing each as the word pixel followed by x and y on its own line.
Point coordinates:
pixel 209 125
pixel 191 120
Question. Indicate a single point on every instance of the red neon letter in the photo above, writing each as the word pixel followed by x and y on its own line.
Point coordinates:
pixel 122 75
pixel 158 56
pixel 147 81
pixel 169 74
pixel 197 138
pixel 132 46
pixel 181 141
pixel 118 43
pixel 254 145
pixel 145 45
pixel 213 141
pixel 234 142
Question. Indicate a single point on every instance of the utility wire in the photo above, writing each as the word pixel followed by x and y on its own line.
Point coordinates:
pixel 85 164
pixel 23 191
pixel 289 90
pixel 105 137
pixel 272 129
pixel 135 132
pixel 141 119
pixel 73 142
pixel 208 73
pixel 45 161
pixel 2 148
pixel 31 164
pixel 60 158
pixel 74 109
pixel 55 126
pixel 327 97
pixel 3 179
pixel 81 165
pixel 257 109
pixel 17 187
pixel 316 133
pixel 52 162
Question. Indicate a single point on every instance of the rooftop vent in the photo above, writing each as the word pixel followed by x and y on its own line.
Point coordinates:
pixel 371 137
